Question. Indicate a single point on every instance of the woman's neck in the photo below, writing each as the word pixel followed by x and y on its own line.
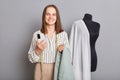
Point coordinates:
pixel 51 29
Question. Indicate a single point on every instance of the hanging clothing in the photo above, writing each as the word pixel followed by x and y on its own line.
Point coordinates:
pixel 80 50
pixel 63 67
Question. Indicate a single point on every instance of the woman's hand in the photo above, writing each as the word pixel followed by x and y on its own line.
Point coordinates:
pixel 40 46
pixel 60 48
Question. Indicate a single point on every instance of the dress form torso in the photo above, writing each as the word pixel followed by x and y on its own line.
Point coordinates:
pixel 93 28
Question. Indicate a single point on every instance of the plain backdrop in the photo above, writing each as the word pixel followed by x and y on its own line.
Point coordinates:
pixel 19 19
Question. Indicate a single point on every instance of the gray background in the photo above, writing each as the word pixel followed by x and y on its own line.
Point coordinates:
pixel 19 19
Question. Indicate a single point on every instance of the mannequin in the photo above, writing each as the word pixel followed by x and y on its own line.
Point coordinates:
pixel 93 28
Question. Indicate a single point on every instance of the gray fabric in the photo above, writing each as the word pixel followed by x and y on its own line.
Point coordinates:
pixel 63 67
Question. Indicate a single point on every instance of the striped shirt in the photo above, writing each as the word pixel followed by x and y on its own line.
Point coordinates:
pixel 48 55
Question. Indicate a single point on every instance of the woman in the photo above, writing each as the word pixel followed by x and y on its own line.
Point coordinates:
pixel 52 38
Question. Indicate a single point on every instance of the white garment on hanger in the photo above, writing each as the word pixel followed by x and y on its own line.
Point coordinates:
pixel 80 50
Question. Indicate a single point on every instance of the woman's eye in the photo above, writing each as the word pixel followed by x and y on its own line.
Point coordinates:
pixel 54 14
pixel 47 14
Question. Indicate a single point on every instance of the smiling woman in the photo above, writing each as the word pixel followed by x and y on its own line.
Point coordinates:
pixel 50 16
pixel 52 38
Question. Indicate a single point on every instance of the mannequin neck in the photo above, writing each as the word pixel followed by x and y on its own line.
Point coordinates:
pixel 87 17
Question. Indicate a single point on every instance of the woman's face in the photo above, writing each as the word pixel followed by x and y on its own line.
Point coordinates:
pixel 50 16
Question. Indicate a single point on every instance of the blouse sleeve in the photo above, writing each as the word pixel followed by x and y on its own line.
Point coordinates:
pixel 33 58
pixel 63 39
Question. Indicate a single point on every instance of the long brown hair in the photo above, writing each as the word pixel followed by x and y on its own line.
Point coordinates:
pixel 58 26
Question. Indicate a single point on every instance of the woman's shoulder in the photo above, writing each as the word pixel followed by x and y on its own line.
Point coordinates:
pixel 62 33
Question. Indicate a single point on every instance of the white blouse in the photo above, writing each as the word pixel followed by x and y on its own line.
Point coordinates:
pixel 48 55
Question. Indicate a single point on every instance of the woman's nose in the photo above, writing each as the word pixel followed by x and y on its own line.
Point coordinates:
pixel 50 16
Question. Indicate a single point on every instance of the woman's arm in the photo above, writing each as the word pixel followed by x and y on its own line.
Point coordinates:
pixel 32 56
